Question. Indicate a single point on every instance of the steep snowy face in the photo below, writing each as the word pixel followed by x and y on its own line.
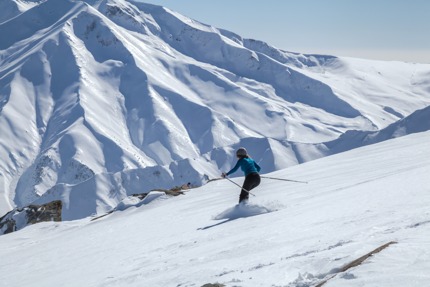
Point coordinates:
pixel 12 8
pixel 100 99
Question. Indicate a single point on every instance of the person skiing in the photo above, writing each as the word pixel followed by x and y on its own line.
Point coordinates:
pixel 251 170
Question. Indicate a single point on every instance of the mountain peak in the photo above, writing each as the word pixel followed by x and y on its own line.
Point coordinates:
pixel 103 99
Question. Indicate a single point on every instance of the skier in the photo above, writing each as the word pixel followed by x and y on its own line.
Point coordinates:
pixel 251 170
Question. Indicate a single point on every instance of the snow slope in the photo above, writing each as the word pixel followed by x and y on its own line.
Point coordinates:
pixel 289 235
pixel 103 99
pixel 418 121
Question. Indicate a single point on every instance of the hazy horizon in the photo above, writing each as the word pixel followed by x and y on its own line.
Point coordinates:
pixel 382 30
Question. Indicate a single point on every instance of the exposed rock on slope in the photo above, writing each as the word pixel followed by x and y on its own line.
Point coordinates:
pixel 32 214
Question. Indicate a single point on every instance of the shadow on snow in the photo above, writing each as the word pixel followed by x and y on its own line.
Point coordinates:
pixel 241 210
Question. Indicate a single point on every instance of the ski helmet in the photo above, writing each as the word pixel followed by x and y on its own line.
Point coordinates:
pixel 241 152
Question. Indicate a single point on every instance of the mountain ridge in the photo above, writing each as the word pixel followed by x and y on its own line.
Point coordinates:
pixel 118 97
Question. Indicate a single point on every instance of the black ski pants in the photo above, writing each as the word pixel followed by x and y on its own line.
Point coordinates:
pixel 251 180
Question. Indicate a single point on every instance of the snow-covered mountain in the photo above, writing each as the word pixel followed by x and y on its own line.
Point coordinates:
pixel 290 234
pixel 103 99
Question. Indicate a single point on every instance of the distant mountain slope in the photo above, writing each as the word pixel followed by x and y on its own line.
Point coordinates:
pixel 418 121
pixel 12 8
pixel 118 97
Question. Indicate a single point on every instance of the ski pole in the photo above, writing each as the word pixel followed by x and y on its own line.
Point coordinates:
pixel 239 186
pixel 284 179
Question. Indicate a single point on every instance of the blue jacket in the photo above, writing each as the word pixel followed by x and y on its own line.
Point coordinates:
pixel 248 165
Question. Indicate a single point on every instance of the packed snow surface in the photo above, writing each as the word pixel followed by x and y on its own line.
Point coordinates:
pixel 289 234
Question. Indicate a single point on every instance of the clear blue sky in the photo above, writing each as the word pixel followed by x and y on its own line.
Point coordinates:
pixel 374 29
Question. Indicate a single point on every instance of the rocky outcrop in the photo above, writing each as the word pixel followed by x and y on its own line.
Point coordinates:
pixel 21 217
